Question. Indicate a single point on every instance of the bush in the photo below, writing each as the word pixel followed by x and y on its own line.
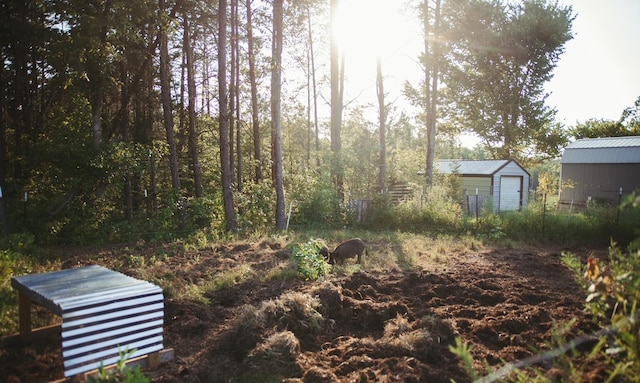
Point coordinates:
pixel 308 260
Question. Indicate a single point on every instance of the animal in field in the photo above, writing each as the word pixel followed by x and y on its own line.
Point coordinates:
pixel 348 249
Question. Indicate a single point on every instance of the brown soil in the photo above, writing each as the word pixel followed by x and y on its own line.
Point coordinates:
pixel 391 326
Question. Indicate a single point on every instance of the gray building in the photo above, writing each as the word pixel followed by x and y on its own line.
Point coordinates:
pixel 502 183
pixel 599 169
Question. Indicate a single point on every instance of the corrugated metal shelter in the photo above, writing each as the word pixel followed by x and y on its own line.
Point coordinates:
pixel 600 169
pixel 503 183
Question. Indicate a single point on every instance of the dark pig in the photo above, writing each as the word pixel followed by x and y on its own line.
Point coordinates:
pixel 348 249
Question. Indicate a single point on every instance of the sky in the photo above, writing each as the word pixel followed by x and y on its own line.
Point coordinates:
pixel 598 76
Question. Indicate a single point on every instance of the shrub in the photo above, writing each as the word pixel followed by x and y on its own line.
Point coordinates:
pixel 309 263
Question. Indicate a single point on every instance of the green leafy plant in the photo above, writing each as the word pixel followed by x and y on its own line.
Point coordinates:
pixel 308 260
pixel 613 295
pixel 122 373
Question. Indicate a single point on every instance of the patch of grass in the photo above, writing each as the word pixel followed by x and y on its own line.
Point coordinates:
pixel 229 278
pixel 280 273
pixel 294 311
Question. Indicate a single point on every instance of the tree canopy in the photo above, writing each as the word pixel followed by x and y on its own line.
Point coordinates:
pixel 150 115
pixel 501 55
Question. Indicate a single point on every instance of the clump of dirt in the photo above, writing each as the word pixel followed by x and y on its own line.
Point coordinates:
pixel 391 326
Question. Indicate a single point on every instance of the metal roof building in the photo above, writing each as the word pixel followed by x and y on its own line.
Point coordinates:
pixel 600 169
pixel 502 183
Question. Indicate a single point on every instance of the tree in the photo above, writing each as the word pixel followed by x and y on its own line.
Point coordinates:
pixel 312 92
pixel 503 53
pixel 191 90
pixel 431 70
pixel 276 113
pixel 631 118
pixel 255 117
pixel 426 96
pixel 337 88
pixel 598 128
pixel 382 126
pixel 167 108
pixel 627 125
pixel 225 152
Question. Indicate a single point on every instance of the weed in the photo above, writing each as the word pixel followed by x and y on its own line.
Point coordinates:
pixel 309 263
pixel 121 374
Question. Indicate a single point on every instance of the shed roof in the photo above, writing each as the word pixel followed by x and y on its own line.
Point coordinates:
pixel 609 150
pixel 469 167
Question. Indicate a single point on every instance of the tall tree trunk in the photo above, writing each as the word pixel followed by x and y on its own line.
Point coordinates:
pixel 276 128
pixel 382 127
pixel 427 92
pixel 165 90
pixel 255 118
pixel 337 81
pixel 125 131
pixel 236 75
pixel 95 74
pixel 431 54
pixel 225 152
pixel 193 134
pixel 3 152
pixel 314 86
pixel 232 85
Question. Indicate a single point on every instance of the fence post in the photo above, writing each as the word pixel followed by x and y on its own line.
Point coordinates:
pixel 24 212
pixel 544 210
pixel 3 218
pixel 619 203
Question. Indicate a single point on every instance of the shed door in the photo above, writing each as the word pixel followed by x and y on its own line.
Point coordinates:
pixel 510 193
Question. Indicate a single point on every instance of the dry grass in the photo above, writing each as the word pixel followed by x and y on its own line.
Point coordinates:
pixel 294 311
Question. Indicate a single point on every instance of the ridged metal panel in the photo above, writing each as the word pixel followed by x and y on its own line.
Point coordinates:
pixel 465 167
pixel 103 314
pixel 606 142
pixel 610 150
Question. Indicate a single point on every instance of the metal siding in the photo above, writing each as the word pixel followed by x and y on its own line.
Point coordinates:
pixel 464 167
pixel 599 181
pixel 103 313
pixel 603 150
pixel 601 156
pixel 483 184
pixel 606 142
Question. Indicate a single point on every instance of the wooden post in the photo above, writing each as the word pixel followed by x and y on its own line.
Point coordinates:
pixel 154 360
pixel 24 309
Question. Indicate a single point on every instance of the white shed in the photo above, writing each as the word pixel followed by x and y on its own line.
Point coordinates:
pixel 503 183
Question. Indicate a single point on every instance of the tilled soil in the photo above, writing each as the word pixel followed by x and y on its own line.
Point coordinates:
pixel 370 326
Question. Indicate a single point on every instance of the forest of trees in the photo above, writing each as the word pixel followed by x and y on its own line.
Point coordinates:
pixel 171 114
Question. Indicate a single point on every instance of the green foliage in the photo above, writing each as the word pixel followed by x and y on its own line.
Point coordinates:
pixel 309 263
pixel 17 257
pixel 436 210
pixel 499 92
pixel 121 374
pixel 613 297
pixel 315 201
pixel 463 351
pixel 598 128
pixel 256 203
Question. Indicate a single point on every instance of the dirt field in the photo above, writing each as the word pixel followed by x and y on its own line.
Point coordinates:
pixel 370 326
